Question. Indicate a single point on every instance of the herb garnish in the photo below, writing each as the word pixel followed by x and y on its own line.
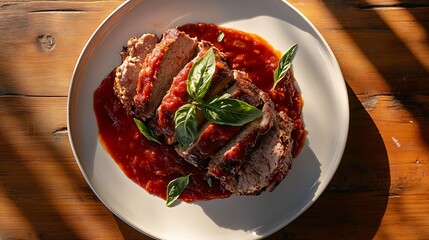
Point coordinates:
pixel 228 111
pixel 220 36
pixel 220 110
pixel 146 131
pixel 209 181
pixel 186 122
pixel 200 75
pixel 284 65
pixel 175 188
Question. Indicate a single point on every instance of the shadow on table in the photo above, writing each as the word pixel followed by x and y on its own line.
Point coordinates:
pixel 38 174
pixel 385 47
pixel 354 203
pixel 24 148
pixel 128 232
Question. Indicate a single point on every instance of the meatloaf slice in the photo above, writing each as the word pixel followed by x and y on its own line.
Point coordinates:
pixel 228 160
pixel 160 67
pixel 127 74
pixel 177 95
pixel 212 137
pixel 268 164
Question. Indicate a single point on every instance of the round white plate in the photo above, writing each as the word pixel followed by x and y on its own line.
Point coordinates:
pixel 325 112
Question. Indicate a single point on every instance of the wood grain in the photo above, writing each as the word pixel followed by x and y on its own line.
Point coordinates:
pixel 380 191
pixel 27 25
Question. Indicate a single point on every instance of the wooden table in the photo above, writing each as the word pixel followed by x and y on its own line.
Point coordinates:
pixel 381 189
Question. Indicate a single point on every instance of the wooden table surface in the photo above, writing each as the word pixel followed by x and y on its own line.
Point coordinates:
pixel 380 191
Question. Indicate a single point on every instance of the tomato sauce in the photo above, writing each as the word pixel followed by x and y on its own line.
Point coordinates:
pixel 153 166
pixel 149 164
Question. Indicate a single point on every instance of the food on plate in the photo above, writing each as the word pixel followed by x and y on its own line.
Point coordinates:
pixel 202 113
pixel 127 74
pixel 268 163
pixel 211 137
pixel 177 95
pixel 168 57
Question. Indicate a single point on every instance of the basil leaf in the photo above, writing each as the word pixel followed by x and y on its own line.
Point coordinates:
pixel 200 75
pixel 185 120
pixel 175 187
pixel 220 36
pixel 229 111
pixel 284 65
pixel 209 181
pixel 146 131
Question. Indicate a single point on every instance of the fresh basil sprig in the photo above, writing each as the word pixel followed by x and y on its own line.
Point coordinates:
pixel 284 65
pixel 228 111
pixel 175 187
pixel 185 120
pixel 209 182
pixel 220 36
pixel 221 110
pixel 200 75
pixel 146 131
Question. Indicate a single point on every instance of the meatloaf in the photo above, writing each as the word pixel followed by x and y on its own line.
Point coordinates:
pixel 267 164
pixel 228 160
pixel 160 67
pixel 152 85
pixel 127 73
pixel 212 137
pixel 177 95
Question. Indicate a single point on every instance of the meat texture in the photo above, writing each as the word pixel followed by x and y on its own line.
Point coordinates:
pixel 127 74
pixel 268 164
pixel 228 160
pixel 160 67
pixel 177 95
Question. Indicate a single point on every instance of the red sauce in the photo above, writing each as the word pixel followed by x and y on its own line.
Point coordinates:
pixel 149 164
pixel 153 166
pixel 213 138
pixel 145 83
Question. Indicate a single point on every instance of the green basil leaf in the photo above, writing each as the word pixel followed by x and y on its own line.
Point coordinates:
pixel 200 75
pixel 212 98
pixel 185 120
pixel 146 131
pixel 209 181
pixel 220 36
pixel 284 65
pixel 175 187
pixel 229 111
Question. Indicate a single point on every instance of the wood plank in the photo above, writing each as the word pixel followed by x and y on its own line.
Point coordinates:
pixel 41 42
pixel 360 215
pixel 364 171
pixel 369 42
pixel 38 169
pixel 347 24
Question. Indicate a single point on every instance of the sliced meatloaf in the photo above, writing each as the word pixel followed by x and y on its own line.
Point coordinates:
pixel 228 160
pixel 160 67
pixel 127 74
pixel 177 95
pixel 267 164
pixel 212 137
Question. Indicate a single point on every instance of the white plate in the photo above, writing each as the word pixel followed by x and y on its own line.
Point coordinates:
pixel 326 116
